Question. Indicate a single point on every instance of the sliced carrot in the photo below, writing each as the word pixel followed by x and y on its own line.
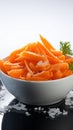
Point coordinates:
pixel 42 66
pixel 69 60
pixel 45 74
pixel 14 54
pixel 32 65
pixel 49 53
pixel 38 78
pixel 29 46
pixel 2 67
pixel 67 73
pixel 60 66
pixel 28 68
pixel 56 52
pixel 62 57
pixel 31 56
pixel 37 61
pixel 16 73
pixel 41 50
pixel 39 66
pixel 46 43
pixel 57 75
pixel 8 65
pixel 33 48
pixel 1 63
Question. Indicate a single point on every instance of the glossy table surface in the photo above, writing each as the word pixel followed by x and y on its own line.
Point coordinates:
pixel 37 118
pixel 17 116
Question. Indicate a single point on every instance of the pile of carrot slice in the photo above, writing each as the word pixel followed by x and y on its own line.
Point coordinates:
pixel 37 61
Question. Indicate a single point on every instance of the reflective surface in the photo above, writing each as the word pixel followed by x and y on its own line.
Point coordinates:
pixel 38 118
pixel 17 116
pixel 14 121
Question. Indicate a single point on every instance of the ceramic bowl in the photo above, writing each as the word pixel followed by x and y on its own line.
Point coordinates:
pixel 38 92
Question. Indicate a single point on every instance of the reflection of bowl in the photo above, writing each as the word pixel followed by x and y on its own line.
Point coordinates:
pixel 38 92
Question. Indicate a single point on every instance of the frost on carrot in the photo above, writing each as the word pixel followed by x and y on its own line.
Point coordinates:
pixel 37 61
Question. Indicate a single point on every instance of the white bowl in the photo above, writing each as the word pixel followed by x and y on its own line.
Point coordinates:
pixel 38 92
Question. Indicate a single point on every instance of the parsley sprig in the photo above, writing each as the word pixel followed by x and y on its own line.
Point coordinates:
pixel 71 66
pixel 65 47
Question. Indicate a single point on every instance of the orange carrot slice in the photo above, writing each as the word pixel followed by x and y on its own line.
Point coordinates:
pixel 49 53
pixel 56 52
pixel 2 67
pixel 8 65
pixel 44 74
pixel 67 73
pixel 38 78
pixel 28 68
pixel 31 56
pixel 46 43
pixel 14 54
pixel 60 66
pixel 37 61
pixel 16 73
pixel 57 75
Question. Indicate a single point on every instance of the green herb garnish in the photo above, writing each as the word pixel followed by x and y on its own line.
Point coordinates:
pixel 71 66
pixel 65 47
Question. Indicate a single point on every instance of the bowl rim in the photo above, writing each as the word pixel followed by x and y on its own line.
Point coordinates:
pixel 30 81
